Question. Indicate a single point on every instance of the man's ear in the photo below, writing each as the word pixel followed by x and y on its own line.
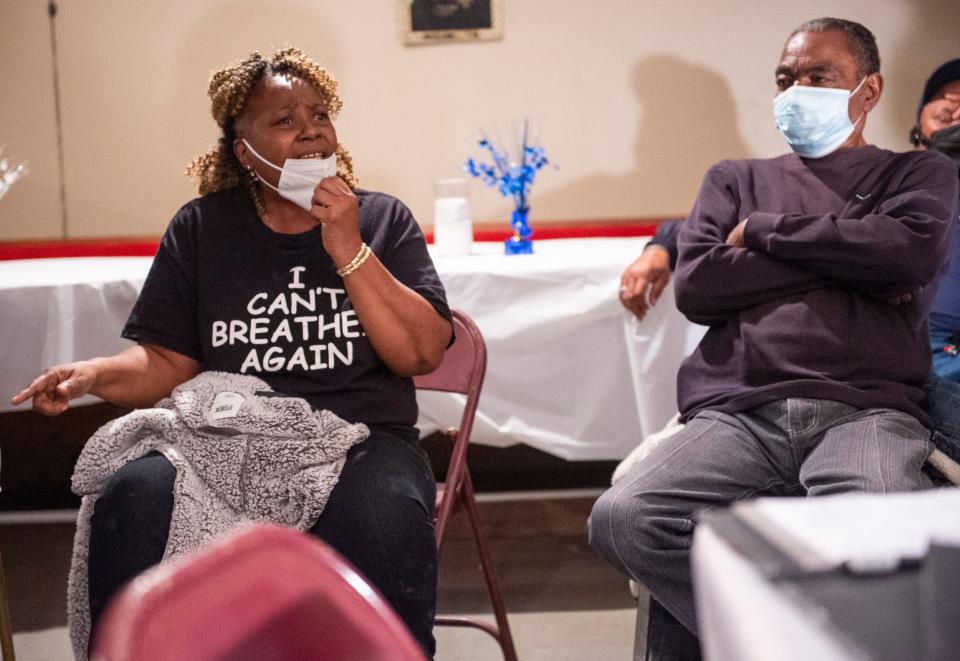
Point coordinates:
pixel 874 85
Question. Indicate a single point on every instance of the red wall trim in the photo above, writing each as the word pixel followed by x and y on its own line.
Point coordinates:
pixel 138 247
pixel 147 246
pixel 563 232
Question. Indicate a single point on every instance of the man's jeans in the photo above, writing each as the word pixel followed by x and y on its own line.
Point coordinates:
pixel 946 364
pixel 943 405
pixel 644 524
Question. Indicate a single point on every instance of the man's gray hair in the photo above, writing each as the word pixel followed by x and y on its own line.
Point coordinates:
pixel 863 45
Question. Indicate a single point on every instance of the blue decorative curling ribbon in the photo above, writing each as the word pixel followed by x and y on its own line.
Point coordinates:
pixel 513 177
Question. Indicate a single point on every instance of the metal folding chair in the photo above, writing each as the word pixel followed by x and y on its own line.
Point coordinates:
pixel 462 371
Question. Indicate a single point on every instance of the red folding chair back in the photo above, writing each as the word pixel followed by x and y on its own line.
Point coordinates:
pixel 266 592
pixel 462 371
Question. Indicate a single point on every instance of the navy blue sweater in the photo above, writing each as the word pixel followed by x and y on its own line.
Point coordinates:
pixel 802 310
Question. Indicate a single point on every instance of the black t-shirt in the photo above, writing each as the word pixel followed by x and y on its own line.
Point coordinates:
pixel 232 294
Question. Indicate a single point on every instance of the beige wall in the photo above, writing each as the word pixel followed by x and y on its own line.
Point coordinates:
pixel 634 99
pixel 28 127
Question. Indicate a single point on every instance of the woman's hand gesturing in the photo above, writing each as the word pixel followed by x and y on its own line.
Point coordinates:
pixel 53 390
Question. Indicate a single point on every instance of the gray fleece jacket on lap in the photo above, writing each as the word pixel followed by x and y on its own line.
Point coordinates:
pixel 242 453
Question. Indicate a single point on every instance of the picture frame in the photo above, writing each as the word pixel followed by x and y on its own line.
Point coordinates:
pixel 443 21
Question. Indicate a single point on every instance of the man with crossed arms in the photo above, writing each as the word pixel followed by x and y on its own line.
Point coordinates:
pixel 812 271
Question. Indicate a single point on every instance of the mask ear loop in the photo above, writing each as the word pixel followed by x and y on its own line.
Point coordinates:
pixel 857 88
pixel 257 174
pixel 278 169
pixel 854 91
pixel 254 152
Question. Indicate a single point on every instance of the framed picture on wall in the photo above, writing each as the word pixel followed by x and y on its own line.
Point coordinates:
pixel 438 21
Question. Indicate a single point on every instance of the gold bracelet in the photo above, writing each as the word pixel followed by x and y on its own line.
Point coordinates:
pixel 353 261
pixel 361 257
pixel 356 262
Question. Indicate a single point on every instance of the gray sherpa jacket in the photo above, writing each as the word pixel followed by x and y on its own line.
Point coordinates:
pixel 242 453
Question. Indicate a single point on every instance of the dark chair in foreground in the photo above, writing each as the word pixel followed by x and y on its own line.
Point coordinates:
pixel 266 592
pixel 462 371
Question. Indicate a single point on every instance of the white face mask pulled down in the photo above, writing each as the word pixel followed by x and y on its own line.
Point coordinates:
pixel 298 176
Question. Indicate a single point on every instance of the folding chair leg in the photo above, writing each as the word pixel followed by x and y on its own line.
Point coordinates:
pixel 493 585
pixel 6 628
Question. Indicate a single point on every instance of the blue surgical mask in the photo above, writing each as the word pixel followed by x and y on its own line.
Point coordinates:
pixel 814 120
pixel 299 176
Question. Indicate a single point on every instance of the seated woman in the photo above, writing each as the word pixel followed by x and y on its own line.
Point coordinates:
pixel 284 270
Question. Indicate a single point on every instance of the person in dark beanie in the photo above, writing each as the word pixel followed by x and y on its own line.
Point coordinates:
pixel 937 128
pixel 938 114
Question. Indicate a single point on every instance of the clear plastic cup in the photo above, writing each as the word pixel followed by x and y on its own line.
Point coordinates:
pixel 452 227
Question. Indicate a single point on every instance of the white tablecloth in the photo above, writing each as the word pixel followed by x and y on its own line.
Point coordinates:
pixel 58 310
pixel 569 371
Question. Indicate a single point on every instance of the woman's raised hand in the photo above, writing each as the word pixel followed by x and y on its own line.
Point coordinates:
pixel 53 390
pixel 335 207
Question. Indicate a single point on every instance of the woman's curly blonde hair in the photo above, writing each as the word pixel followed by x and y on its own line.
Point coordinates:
pixel 229 90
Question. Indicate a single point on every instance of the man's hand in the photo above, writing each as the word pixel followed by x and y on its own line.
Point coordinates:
pixel 735 238
pixel 898 299
pixel 651 270
pixel 904 298
pixel 940 113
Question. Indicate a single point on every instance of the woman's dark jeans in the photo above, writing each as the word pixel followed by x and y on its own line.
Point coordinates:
pixel 379 517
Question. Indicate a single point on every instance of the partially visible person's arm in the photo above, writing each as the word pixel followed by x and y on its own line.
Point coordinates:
pixel 644 280
pixel 667 237
pixel 136 377
pixel 642 283
pixel 163 323
pixel 715 280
